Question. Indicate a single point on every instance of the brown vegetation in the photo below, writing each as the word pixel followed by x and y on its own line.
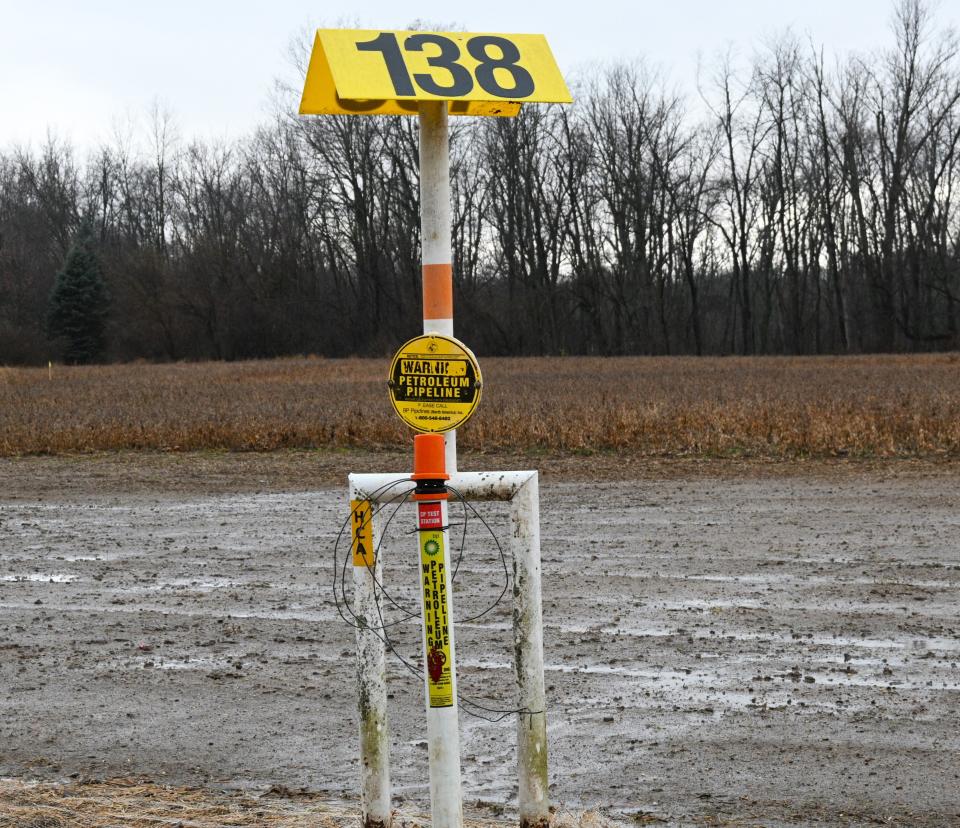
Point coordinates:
pixel 136 803
pixel 884 406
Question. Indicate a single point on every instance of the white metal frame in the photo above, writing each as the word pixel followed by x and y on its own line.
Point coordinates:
pixel 521 489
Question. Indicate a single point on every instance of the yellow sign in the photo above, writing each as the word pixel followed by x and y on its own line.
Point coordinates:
pixel 361 521
pixel 436 619
pixel 435 383
pixel 372 72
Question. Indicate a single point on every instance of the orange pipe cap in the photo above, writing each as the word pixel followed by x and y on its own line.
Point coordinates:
pixel 429 457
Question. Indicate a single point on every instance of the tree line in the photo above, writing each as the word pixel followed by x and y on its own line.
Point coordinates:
pixel 798 205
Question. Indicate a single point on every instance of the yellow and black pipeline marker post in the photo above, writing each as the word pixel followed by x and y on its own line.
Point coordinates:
pixel 439 652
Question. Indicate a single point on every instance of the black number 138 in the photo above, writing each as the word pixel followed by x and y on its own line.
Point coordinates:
pixel 460 80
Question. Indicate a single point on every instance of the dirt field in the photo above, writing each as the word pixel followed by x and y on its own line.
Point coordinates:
pixel 775 645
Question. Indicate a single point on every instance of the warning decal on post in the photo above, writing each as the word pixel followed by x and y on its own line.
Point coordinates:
pixel 361 521
pixel 435 618
pixel 435 383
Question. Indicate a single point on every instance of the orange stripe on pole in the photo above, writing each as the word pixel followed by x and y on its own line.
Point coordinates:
pixel 438 291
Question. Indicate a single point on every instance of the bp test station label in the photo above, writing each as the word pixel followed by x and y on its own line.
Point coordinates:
pixel 435 383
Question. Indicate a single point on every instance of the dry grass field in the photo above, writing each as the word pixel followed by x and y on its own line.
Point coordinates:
pixel 139 803
pixel 771 408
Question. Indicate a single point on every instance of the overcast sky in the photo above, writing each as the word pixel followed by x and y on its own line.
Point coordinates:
pixel 81 69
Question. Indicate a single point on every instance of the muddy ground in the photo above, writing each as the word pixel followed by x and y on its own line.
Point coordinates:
pixel 775 645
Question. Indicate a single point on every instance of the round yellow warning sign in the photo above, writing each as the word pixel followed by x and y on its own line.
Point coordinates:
pixel 435 383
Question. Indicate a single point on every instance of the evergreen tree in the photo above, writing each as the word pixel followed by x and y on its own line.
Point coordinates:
pixel 78 305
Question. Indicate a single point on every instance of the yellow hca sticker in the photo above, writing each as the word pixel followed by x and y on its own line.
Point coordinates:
pixel 372 72
pixel 435 383
pixel 436 619
pixel 362 533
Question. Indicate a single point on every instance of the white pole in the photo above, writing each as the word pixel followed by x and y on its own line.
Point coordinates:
pixel 443 735
pixel 371 671
pixel 437 258
pixel 533 796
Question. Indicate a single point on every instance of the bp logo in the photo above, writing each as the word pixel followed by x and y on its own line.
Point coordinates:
pixel 431 547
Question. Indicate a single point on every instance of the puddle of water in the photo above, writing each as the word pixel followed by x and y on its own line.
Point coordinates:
pixel 916 643
pixel 186 664
pixel 193 583
pixel 898 683
pixel 934 643
pixel 220 662
pixel 792 580
pixel 188 612
pixel 176 585
pixel 847 606
pixel 713 684
pixel 40 577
